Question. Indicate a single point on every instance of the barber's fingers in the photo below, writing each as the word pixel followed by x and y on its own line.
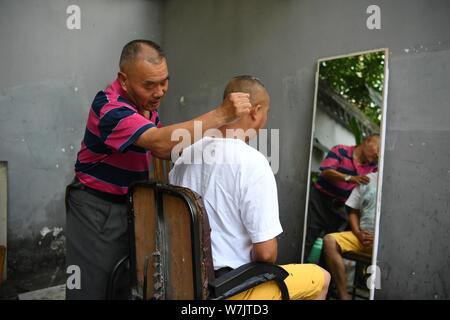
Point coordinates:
pixel 234 106
pixel 368 244
pixel 363 180
pixel 241 103
pixel 240 98
pixel 239 95
pixel 367 234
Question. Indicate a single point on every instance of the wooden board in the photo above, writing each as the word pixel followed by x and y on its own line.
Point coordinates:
pixel 145 234
pixel 180 284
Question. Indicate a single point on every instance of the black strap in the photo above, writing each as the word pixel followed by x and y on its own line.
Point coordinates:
pixel 220 272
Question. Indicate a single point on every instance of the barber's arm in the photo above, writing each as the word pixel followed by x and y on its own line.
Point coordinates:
pixel 336 176
pixel 265 251
pixel 159 140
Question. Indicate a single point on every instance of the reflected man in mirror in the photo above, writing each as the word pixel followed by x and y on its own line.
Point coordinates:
pixel 344 168
pixel 362 203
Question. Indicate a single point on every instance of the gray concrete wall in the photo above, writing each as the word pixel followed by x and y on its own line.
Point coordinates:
pixel 415 227
pixel 280 41
pixel 49 76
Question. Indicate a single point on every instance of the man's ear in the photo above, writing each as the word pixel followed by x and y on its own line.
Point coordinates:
pixel 122 80
pixel 254 111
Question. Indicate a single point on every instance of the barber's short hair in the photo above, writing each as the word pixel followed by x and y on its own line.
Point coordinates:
pixel 132 49
pixel 243 83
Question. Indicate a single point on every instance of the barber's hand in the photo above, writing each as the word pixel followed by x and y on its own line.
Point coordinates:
pixel 366 238
pixel 360 179
pixel 234 106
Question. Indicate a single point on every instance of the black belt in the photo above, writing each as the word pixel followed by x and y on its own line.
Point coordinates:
pixel 220 272
pixel 116 198
pixel 335 201
pixel 107 196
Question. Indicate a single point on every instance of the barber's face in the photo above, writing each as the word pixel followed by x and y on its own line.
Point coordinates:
pixel 371 150
pixel 146 83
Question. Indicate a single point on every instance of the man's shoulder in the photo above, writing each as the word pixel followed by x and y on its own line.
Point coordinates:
pixel 232 151
pixel 103 105
pixel 343 150
pixel 249 154
pixel 343 147
pixel 110 97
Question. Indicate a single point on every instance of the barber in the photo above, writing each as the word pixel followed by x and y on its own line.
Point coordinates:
pixel 123 131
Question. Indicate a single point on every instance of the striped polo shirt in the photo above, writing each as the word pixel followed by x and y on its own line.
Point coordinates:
pixel 340 158
pixel 108 161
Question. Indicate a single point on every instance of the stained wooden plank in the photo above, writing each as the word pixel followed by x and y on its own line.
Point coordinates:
pixel 145 234
pixel 179 241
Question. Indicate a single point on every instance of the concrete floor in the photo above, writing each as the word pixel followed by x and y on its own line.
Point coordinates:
pixel 52 293
pixel 19 284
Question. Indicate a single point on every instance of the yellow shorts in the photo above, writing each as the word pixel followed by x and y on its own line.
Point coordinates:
pixel 347 241
pixel 305 281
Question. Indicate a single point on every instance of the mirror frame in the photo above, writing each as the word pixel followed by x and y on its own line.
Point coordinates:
pixel 375 274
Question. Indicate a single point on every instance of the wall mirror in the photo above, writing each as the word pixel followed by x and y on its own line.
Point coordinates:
pixel 345 169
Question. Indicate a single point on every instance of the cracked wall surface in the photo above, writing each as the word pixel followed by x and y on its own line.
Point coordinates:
pixel 50 75
pixel 208 42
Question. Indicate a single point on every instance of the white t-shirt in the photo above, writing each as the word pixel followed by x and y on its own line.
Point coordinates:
pixel 239 192
pixel 364 199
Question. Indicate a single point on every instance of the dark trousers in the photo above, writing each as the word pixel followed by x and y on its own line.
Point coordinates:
pixel 325 215
pixel 96 238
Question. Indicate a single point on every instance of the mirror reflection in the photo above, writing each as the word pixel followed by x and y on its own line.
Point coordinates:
pixel 344 160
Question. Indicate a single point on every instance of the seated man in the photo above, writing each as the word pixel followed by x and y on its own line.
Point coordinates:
pixel 240 195
pixel 362 203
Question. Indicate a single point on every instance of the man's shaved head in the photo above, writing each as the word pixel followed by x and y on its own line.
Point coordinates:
pixel 247 84
pixel 248 125
pixel 141 49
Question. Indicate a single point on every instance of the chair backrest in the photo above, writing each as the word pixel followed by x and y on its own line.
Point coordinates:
pixel 170 245
pixel 160 170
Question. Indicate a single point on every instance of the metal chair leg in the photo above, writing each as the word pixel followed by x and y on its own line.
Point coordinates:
pixel 110 288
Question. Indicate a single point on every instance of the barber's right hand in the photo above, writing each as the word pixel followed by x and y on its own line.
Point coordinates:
pixel 360 179
pixel 234 106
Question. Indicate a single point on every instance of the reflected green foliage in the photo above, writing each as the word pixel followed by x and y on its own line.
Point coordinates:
pixel 355 77
pixel 356 131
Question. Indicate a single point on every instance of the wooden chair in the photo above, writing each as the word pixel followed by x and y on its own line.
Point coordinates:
pixel 160 170
pixel 170 249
